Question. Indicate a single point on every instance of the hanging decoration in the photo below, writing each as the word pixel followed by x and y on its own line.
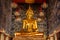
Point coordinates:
pixel 16 13
pixel 39 19
pixel 14 5
pixel 18 19
pixel 41 13
pixel 44 5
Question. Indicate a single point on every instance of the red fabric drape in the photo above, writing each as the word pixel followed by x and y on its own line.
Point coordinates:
pixel 38 1
pixel 19 1
pixel 23 1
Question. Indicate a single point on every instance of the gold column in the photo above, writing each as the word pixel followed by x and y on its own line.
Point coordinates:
pixel 7 38
pixel 55 35
pixel 2 36
pixel 51 38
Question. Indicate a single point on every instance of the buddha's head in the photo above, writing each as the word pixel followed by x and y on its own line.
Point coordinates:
pixel 29 13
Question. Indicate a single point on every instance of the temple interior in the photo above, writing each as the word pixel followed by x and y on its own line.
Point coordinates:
pixel 29 19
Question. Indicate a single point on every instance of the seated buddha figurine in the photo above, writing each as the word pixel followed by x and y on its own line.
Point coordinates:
pixel 30 24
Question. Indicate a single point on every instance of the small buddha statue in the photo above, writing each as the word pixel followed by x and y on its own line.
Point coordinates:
pixel 30 24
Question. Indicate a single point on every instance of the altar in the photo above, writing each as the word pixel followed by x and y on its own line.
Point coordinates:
pixel 29 30
pixel 29 36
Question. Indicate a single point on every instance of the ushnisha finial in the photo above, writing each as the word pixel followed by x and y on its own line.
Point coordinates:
pixel 29 11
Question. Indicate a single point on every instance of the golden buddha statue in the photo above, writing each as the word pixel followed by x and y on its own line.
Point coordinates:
pixel 30 24
pixel 29 29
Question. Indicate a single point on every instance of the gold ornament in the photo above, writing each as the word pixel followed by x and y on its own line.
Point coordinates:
pixel 29 1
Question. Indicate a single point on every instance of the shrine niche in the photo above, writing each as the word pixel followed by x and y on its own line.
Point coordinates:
pixel 29 28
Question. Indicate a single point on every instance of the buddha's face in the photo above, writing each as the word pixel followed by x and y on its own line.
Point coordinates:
pixel 29 15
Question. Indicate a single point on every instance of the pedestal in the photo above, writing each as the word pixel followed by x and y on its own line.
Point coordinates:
pixel 29 36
